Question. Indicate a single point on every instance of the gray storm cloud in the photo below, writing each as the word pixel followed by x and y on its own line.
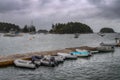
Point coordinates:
pixel 96 13
pixel 108 8
pixel 12 5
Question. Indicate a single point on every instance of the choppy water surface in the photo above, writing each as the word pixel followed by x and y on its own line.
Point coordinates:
pixel 102 66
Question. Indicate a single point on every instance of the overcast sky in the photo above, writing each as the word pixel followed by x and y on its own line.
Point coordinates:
pixel 44 13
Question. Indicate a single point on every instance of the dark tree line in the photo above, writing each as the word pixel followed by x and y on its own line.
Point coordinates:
pixel 70 27
pixel 60 28
pixel 7 27
pixel 42 31
pixel 29 29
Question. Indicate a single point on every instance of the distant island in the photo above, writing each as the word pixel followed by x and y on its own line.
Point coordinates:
pixel 42 31
pixel 70 28
pixel 7 27
pixel 107 30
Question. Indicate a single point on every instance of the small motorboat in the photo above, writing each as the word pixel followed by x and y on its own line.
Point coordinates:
pixel 81 53
pixel 79 50
pixel 90 52
pixel 12 34
pixel 37 60
pixel 93 52
pixel 67 56
pixel 101 34
pixel 105 49
pixel 24 63
pixel 108 44
pixel 9 34
pixel 48 61
pixel 76 35
pixel 59 59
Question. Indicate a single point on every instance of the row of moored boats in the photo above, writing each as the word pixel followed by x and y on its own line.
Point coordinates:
pixel 55 60
pixel 50 61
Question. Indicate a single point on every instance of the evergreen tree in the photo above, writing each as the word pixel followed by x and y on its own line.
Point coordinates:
pixel 29 28
pixel 25 29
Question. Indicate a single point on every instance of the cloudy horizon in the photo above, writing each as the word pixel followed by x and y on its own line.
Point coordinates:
pixel 95 13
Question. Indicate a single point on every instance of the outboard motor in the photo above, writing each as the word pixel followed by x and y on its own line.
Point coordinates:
pixel 36 60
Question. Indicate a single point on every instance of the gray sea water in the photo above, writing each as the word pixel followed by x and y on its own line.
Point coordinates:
pixel 102 66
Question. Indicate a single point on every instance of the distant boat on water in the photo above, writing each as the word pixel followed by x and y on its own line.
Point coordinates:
pixel 9 34
pixel 108 44
pixel 32 33
pixel 76 35
pixel 105 49
pixel 101 34
pixel 12 34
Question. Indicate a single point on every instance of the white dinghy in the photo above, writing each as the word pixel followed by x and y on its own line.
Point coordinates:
pixel 67 56
pixel 24 63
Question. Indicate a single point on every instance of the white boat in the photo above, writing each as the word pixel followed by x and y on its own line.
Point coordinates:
pixel 79 50
pixel 10 34
pixel 101 34
pixel 47 62
pixel 108 44
pixel 93 52
pixel 105 49
pixel 24 63
pixel 59 59
pixel 67 56
pixel 90 52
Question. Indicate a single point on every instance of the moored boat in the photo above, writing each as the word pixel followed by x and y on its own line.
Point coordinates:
pixel 76 35
pixel 108 44
pixel 90 52
pixel 45 62
pixel 105 49
pixel 67 56
pixel 37 60
pixel 24 63
pixel 49 61
pixel 93 52
pixel 101 34
pixel 9 34
pixel 12 34
pixel 79 50
pixel 81 53
pixel 59 59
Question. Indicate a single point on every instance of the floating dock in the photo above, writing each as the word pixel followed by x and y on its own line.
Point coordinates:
pixel 8 60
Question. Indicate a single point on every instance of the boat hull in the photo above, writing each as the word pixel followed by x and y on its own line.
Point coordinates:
pixel 24 64
pixel 81 54
pixel 67 56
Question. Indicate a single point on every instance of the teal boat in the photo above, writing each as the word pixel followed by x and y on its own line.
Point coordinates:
pixel 81 54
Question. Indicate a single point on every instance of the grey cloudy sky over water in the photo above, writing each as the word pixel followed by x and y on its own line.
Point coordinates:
pixel 44 13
